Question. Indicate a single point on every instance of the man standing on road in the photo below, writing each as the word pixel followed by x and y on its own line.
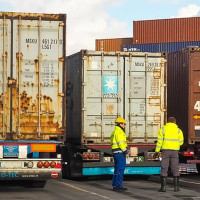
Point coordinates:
pixel 169 140
pixel 120 153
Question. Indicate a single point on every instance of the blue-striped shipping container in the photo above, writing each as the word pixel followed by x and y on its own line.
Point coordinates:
pixel 160 47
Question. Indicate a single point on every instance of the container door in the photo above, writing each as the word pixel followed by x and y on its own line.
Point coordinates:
pixel 5 74
pixel 38 71
pixel 194 97
pixel 103 96
pixel 145 97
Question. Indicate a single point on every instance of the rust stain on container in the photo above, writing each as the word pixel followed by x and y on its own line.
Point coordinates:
pixel 29 115
pixel 110 109
pixel 33 15
pixel 166 30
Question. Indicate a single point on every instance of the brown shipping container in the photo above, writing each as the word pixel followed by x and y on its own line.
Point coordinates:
pixel 184 92
pixel 112 44
pixel 166 30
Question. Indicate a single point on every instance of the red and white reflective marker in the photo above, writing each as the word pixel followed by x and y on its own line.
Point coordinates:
pixel 54 174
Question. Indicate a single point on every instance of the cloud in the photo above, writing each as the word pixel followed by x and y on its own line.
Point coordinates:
pixel 169 1
pixel 190 11
pixel 86 20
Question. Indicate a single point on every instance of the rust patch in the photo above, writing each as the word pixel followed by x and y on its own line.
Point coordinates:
pixel 110 109
pixel 29 116
pixel 61 59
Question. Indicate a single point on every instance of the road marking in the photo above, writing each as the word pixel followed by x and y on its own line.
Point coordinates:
pixel 181 180
pixel 190 182
pixel 93 193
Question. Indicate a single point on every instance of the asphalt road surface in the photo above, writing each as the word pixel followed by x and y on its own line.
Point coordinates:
pixel 99 188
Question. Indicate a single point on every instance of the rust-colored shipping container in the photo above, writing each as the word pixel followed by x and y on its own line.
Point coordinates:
pixel 166 30
pixel 114 44
pixel 183 101
pixel 184 96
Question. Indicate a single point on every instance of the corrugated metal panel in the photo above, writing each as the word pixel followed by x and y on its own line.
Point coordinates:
pixel 112 44
pixel 104 86
pixel 160 47
pixel 184 93
pixel 166 30
pixel 32 82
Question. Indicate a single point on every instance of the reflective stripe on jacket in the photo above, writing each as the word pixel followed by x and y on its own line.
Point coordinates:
pixel 169 137
pixel 118 140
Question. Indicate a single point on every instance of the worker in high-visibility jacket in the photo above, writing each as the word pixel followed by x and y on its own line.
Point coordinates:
pixel 120 152
pixel 169 140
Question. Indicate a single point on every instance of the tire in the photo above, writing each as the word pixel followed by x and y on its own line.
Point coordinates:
pixel 198 168
pixel 38 184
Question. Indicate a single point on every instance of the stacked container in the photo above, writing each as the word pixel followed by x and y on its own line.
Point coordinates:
pixel 112 44
pixel 166 30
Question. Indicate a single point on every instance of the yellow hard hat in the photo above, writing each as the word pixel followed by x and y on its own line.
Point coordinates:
pixel 120 120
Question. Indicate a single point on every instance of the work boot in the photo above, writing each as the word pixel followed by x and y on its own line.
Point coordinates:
pixel 163 184
pixel 176 184
pixel 122 189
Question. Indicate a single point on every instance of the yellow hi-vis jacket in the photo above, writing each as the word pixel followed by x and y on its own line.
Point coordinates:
pixel 169 137
pixel 118 140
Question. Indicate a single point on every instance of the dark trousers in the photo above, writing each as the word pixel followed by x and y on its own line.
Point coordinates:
pixel 170 158
pixel 120 165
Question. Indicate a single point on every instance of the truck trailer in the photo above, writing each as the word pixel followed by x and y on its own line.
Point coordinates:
pixel 102 86
pixel 32 86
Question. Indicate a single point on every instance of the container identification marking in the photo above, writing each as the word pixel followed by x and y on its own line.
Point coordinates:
pixel 197 105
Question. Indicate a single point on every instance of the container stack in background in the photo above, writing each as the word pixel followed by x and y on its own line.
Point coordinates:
pixel 114 44
pixel 162 35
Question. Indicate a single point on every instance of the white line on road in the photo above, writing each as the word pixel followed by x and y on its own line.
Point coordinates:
pixel 93 193
pixel 181 180
pixel 190 182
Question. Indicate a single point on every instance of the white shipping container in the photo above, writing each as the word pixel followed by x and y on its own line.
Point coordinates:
pixel 32 49
pixel 102 86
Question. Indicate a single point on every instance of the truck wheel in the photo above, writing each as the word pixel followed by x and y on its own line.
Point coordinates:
pixel 198 168
pixel 38 184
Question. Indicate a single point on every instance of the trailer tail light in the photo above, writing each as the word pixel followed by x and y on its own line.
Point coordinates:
pixel 85 156
pixel 96 156
pixel 40 164
pixel 151 156
pixel 58 166
pixel 46 164
pixel 52 164
pixel 188 153
pixel 30 164
pixel 90 156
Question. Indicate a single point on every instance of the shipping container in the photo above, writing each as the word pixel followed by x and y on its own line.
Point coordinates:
pixel 166 30
pixel 112 44
pixel 32 87
pixel 32 56
pixel 184 98
pixel 102 86
pixel 160 47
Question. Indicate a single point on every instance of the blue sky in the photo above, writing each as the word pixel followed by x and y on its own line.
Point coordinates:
pixel 88 20
pixel 130 10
